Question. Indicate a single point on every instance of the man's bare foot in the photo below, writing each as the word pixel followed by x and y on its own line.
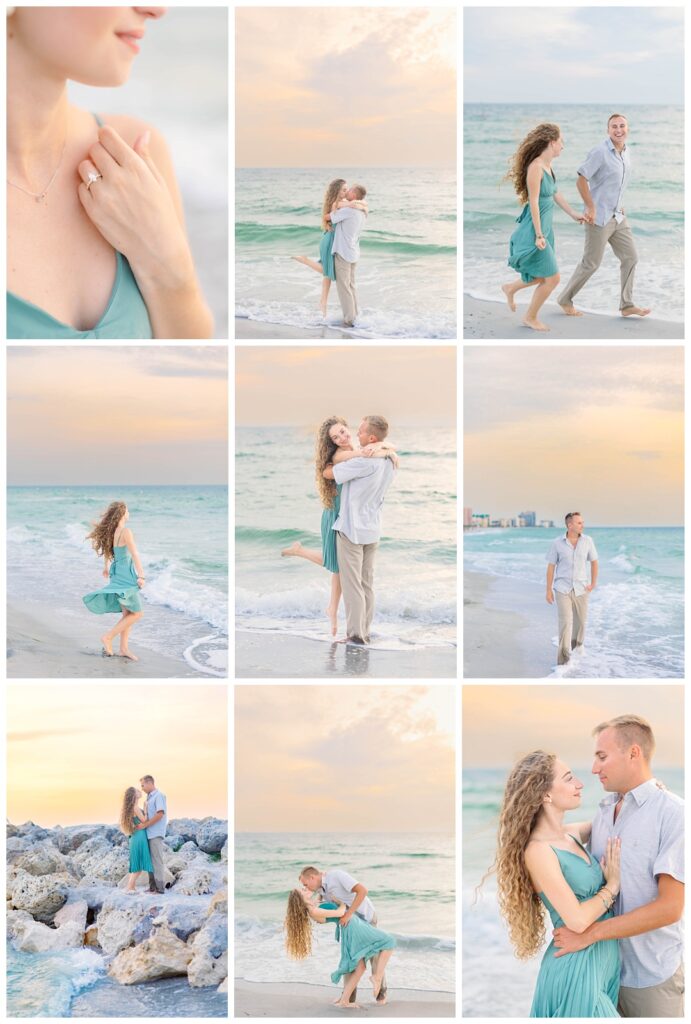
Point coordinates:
pixel 107 646
pixel 535 325
pixel 509 293
pixel 292 549
pixel 129 655
pixel 322 310
pixel 332 614
pixel 571 311
pixel 635 311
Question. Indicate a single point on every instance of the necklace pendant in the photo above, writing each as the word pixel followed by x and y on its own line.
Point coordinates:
pixel 41 197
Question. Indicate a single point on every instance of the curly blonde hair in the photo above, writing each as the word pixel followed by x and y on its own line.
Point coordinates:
pixel 129 802
pixel 535 142
pixel 324 453
pixel 530 779
pixel 297 927
pixel 331 197
pixel 103 532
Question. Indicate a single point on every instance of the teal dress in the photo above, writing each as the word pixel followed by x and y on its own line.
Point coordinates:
pixel 586 983
pixel 524 255
pixel 121 591
pixel 326 257
pixel 359 941
pixel 125 316
pixel 140 858
pixel 329 517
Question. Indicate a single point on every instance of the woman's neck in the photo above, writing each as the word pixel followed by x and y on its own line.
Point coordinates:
pixel 550 823
pixel 37 117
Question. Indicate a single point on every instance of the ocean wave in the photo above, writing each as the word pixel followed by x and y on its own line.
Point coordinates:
pixel 307 603
pixel 209 655
pixel 192 598
pixel 252 928
pixel 371 323
pixel 44 984
pixel 255 233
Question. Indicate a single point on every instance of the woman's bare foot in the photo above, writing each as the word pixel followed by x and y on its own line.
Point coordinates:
pixel 571 311
pixel 131 892
pixel 376 984
pixel 300 259
pixel 348 1006
pixel 292 549
pixel 107 646
pixel 535 325
pixel 509 293
pixel 322 310
pixel 332 614
pixel 129 656
pixel 635 311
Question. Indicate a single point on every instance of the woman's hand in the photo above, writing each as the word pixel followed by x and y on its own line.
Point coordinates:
pixel 140 582
pixel 611 865
pixel 106 573
pixel 131 206
pixel 370 449
pixel 540 242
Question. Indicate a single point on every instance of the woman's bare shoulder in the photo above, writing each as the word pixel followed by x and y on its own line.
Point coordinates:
pixel 131 128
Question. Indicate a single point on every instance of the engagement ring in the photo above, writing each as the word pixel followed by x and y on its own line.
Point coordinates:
pixel 91 179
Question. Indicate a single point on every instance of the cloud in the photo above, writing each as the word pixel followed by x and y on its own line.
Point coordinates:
pixel 645 456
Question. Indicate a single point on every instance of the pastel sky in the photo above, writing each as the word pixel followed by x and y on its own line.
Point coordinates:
pixel 557 428
pixel 125 415
pixel 73 749
pixel 590 54
pixel 345 86
pixel 411 386
pixel 344 758
pixel 501 723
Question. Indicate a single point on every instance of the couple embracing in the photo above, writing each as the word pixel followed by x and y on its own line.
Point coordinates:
pixel 601 183
pixel 145 825
pixel 613 887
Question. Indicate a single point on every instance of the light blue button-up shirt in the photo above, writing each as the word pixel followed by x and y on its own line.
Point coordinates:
pixel 571 563
pixel 607 173
pixel 366 481
pixel 156 801
pixel 651 826
pixel 349 224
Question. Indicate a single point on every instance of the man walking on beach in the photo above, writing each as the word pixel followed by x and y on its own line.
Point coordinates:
pixel 358 527
pixel 601 182
pixel 155 825
pixel 567 581
pixel 348 224
pixel 649 820
pixel 341 887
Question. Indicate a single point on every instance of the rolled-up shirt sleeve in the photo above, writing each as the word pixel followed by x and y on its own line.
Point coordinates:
pixel 670 855
pixel 592 553
pixel 552 556
pixel 351 469
pixel 592 163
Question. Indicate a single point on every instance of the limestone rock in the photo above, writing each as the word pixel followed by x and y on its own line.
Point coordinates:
pixel 163 955
pixel 41 895
pixel 42 859
pixel 195 880
pixel 209 963
pixel 182 918
pixel 34 937
pixel 186 828
pixel 14 918
pixel 118 919
pixel 91 936
pixel 71 838
pixel 224 851
pixel 98 859
pixel 212 834
pixel 223 987
pixel 219 902
pixel 73 910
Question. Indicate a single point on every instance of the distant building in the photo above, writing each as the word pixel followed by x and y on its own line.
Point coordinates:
pixel 547 523
pixel 467 517
pixel 529 518
pixel 481 519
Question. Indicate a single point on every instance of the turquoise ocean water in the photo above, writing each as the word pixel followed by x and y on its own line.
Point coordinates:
pixel 654 200
pixel 495 983
pixel 406 276
pixel 415 573
pixel 181 535
pixel 410 878
pixel 636 613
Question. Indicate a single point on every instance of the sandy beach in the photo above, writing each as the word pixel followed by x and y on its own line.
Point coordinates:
pixel 245 328
pixel 482 319
pixel 294 1000
pixel 35 650
pixel 272 656
pixel 499 643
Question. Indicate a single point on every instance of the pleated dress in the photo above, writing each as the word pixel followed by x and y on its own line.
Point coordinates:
pixel 121 591
pixel 140 858
pixel 358 941
pixel 524 255
pixel 329 517
pixel 586 983
pixel 326 255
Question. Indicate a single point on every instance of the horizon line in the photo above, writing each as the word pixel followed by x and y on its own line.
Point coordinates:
pixel 117 485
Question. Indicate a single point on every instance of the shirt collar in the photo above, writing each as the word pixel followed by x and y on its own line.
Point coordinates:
pixel 639 794
pixel 613 148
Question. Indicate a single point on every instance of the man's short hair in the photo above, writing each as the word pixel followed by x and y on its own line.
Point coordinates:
pixel 360 191
pixel 612 116
pixel 309 871
pixel 148 778
pixel 377 426
pixel 631 729
pixel 569 516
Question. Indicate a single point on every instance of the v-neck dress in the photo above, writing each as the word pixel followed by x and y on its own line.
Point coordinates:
pixel 586 983
pixel 524 255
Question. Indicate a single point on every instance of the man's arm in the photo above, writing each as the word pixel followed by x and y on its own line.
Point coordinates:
pixel 343 214
pixel 666 909
pixel 550 583
pixel 150 821
pixel 360 894
pixel 593 575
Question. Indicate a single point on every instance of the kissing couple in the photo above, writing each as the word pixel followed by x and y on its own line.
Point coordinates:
pixel 335 897
pixel 146 827
pixel 613 887
pixel 352 481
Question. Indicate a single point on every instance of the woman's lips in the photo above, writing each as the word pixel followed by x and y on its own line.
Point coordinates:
pixel 130 39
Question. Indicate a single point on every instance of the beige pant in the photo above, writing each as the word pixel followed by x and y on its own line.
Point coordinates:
pixel 356 569
pixel 157 877
pixel 345 282
pixel 664 1000
pixel 620 238
pixel 573 612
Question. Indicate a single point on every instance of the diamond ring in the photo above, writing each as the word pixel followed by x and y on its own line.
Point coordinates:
pixel 92 178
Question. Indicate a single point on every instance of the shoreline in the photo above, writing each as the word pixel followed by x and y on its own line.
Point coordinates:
pixel 245 329
pixel 294 999
pixel 483 318
pixel 36 650
pixel 281 656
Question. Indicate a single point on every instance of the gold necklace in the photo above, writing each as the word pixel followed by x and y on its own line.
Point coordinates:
pixel 40 196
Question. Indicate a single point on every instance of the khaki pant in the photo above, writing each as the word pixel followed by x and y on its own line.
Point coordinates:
pixel 573 612
pixel 345 282
pixel 620 238
pixel 157 877
pixel 664 1000
pixel 356 569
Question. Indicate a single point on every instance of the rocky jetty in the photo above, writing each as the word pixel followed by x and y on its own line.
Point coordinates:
pixel 65 889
